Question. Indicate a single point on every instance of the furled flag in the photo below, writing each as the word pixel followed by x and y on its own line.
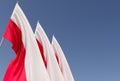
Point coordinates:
pixel 28 64
pixel 63 64
pixel 48 52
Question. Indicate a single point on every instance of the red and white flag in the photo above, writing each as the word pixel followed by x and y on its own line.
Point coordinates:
pixel 28 64
pixel 48 53
pixel 63 64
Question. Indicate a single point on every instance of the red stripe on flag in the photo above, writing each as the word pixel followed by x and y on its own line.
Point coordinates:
pixel 16 69
pixel 57 57
pixel 42 52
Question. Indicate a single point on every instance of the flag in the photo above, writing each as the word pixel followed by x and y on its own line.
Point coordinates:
pixel 51 62
pixel 63 64
pixel 28 64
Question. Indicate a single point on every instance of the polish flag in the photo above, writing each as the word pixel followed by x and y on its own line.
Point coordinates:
pixel 48 53
pixel 63 64
pixel 28 64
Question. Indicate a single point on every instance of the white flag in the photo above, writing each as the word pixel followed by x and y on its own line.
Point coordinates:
pixel 52 65
pixel 63 64
pixel 28 64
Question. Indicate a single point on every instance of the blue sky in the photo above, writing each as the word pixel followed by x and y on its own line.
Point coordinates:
pixel 87 30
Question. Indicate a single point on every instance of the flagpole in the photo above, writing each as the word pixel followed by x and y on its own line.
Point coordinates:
pixel 1 42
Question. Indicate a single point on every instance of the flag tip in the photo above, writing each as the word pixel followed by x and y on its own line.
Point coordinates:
pixel 17 3
pixel 53 36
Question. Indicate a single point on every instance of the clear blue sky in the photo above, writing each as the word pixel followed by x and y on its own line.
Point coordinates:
pixel 87 30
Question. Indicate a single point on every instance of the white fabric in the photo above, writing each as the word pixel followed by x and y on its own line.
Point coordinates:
pixel 34 66
pixel 52 65
pixel 62 61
